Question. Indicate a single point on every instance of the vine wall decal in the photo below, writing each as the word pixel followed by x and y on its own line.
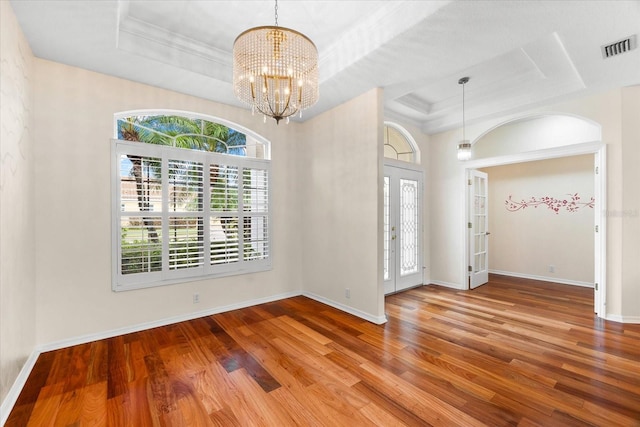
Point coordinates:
pixel 571 204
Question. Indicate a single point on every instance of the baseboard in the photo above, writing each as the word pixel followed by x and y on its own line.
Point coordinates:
pixel 14 392
pixel 622 319
pixel 378 320
pixel 543 278
pixel 162 322
pixel 447 284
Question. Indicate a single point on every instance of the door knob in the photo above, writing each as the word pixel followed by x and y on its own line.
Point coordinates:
pixel 487 233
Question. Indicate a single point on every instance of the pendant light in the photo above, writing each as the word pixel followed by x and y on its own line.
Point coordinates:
pixel 275 70
pixel 464 147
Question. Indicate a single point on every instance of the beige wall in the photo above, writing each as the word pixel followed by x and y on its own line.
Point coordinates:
pixel 446 187
pixel 526 241
pixel 614 111
pixel 17 239
pixel 341 205
pixel 535 133
pixel 629 214
pixel 73 119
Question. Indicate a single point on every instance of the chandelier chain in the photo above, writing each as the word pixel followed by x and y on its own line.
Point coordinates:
pixel 276 11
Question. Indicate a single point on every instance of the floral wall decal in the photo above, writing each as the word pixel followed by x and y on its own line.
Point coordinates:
pixel 571 204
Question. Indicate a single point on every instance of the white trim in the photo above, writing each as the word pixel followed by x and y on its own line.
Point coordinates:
pixel 14 392
pixel 529 156
pixel 378 320
pixel 543 278
pixel 163 322
pixel 600 221
pixel 623 319
pixel 401 164
pixel 447 284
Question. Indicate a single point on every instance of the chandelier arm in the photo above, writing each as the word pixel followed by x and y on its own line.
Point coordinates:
pixel 277 116
pixel 283 113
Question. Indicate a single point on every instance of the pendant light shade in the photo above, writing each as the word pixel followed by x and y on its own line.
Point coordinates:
pixel 464 147
pixel 275 70
pixel 464 150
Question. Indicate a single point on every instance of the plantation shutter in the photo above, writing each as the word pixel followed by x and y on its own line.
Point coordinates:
pixel 188 214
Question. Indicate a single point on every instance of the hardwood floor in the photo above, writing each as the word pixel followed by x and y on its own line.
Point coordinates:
pixel 512 352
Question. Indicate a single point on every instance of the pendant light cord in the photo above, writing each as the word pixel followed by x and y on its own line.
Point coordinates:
pixel 463 81
pixel 276 11
pixel 464 137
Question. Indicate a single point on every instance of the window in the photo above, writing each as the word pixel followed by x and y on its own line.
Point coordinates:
pixel 188 201
pixel 398 144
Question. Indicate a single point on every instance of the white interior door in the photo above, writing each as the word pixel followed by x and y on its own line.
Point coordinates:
pixel 402 228
pixel 478 233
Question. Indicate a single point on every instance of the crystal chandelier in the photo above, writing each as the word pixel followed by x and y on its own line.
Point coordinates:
pixel 275 70
pixel 464 147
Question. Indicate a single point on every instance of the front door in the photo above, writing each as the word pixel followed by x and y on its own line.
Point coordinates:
pixel 478 233
pixel 402 228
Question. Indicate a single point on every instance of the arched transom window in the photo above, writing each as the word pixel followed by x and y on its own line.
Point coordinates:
pixel 190 131
pixel 398 144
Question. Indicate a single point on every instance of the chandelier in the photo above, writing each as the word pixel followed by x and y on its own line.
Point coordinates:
pixel 275 70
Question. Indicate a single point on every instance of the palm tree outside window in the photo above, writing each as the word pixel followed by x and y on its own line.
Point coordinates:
pixel 189 203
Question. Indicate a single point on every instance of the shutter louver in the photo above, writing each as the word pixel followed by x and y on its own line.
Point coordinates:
pixel 186 223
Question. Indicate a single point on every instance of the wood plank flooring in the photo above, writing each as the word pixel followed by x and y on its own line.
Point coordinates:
pixel 512 352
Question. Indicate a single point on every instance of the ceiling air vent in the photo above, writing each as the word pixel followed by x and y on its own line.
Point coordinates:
pixel 621 46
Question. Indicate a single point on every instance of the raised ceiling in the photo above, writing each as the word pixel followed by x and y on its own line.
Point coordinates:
pixel 518 54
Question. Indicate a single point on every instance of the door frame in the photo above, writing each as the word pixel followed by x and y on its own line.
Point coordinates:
pixel 599 150
pixel 472 192
pixel 413 167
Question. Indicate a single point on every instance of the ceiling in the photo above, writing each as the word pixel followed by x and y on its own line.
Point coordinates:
pixel 518 54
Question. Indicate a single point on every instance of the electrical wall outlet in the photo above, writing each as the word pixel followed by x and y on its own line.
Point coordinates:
pixel 196 298
pixel 552 269
pixel 347 293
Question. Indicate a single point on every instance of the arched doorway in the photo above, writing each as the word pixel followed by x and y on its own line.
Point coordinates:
pixel 541 137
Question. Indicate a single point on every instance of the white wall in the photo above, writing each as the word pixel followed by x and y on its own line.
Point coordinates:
pixel 73 120
pixel 610 109
pixel 342 205
pixel 526 240
pixel 17 273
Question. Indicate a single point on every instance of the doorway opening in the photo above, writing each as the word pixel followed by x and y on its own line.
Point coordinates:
pixel 539 141
pixel 402 211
